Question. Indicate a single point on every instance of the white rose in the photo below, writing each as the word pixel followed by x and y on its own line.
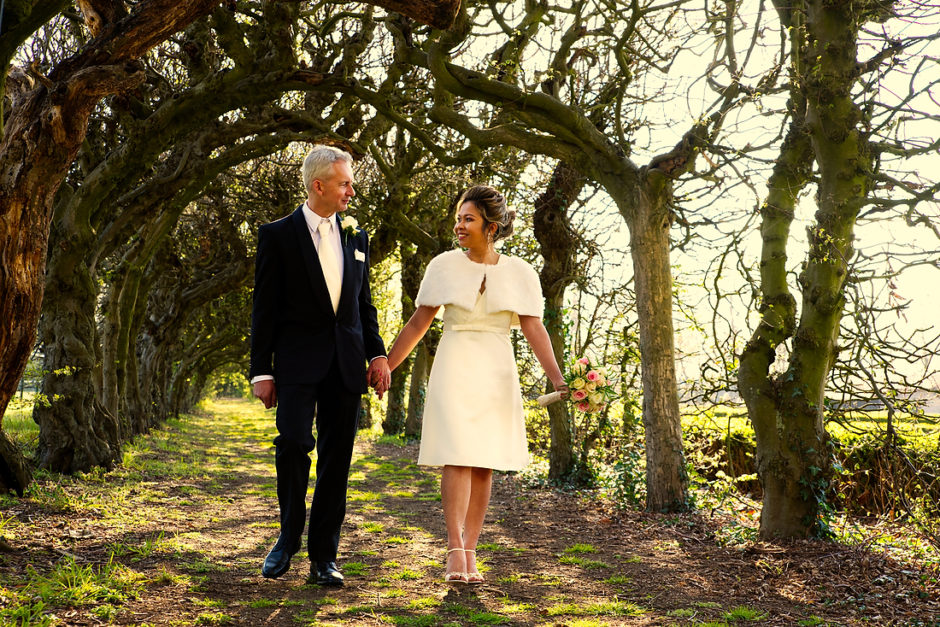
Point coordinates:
pixel 349 222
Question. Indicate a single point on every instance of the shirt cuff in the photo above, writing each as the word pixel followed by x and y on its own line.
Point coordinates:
pixel 377 357
pixel 262 377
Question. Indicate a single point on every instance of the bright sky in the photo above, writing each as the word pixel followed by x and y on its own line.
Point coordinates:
pixel 918 286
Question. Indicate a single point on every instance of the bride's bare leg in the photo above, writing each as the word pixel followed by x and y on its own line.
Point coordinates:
pixel 455 499
pixel 481 483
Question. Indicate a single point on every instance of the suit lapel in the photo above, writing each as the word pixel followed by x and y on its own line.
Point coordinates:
pixel 349 246
pixel 311 261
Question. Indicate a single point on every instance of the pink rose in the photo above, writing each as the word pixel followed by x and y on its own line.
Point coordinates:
pixel 584 360
pixel 578 395
pixel 593 376
pixel 585 406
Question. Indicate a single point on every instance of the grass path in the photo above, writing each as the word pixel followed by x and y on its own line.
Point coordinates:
pixel 177 533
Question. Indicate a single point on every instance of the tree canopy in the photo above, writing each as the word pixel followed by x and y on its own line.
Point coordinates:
pixel 662 155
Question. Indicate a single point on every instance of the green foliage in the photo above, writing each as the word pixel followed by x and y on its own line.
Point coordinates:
pixel 229 382
pixel 865 466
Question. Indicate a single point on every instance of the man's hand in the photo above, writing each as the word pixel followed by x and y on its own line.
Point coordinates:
pixel 266 391
pixel 379 376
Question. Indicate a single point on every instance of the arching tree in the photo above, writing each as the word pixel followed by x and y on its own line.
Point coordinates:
pixel 44 131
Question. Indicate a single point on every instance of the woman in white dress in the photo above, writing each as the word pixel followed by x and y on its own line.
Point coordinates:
pixel 473 421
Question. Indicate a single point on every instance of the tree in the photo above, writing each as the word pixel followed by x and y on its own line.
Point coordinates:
pixel 832 128
pixel 557 245
pixel 46 129
pixel 40 140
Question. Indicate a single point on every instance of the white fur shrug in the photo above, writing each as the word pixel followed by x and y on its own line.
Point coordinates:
pixel 511 284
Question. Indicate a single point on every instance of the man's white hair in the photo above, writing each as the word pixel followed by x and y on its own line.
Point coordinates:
pixel 319 160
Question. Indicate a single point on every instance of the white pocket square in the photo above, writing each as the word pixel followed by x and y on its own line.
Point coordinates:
pixel 360 256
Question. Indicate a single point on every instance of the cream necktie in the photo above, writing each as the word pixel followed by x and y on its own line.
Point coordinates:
pixel 327 254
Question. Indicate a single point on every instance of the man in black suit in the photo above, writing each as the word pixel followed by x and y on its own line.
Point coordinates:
pixel 313 328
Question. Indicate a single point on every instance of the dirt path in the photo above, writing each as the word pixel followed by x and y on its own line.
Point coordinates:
pixel 176 536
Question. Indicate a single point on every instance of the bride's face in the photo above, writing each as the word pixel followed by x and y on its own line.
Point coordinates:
pixel 469 227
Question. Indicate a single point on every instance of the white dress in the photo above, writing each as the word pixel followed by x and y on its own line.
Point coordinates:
pixel 473 408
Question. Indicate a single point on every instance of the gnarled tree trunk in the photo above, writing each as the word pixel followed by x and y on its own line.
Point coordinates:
pixel 787 410
pixel 76 433
pixel 557 245
pixel 648 216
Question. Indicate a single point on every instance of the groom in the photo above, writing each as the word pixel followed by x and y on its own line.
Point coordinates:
pixel 313 327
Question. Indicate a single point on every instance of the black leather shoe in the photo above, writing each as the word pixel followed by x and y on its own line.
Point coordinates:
pixel 325 574
pixel 278 560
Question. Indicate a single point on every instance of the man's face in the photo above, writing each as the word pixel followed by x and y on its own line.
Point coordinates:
pixel 333 192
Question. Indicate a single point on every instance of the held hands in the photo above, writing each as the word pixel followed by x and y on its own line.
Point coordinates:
pixel 379 376
pixel 561 387
pixel 266 391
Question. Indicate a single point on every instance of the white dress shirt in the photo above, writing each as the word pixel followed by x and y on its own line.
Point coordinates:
pixel 313 222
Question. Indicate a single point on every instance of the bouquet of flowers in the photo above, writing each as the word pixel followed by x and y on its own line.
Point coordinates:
pixel 588 387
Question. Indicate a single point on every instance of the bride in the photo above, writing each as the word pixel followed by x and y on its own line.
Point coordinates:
pixel 473 420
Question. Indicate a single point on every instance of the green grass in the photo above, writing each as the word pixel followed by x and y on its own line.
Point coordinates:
pixel 611 608
pixel 618 580
pixel 423 603
pixel 70 584
pixel 416 621
pixel 214 618
pixel 355 496
pixel 743 613
pixel 681 613
pixel 580 549
pixel 476 617
pixel 406 574
pixel 18 422
pixel 355 569
pixel 394 440
pixel 511 607
pixel 582 562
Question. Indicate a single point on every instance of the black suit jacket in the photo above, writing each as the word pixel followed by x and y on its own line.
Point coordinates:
pixel 295 334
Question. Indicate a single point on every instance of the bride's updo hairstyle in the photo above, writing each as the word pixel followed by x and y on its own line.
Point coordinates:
pixel 492 206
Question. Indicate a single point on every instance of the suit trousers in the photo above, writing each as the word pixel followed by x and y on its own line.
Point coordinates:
pixel 336 412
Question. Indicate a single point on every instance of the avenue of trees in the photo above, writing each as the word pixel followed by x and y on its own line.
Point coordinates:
pixel 144 143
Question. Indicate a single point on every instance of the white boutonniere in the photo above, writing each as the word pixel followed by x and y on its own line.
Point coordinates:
pixel 350 227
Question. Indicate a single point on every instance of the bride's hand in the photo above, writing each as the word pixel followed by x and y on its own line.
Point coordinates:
pixel 561 387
